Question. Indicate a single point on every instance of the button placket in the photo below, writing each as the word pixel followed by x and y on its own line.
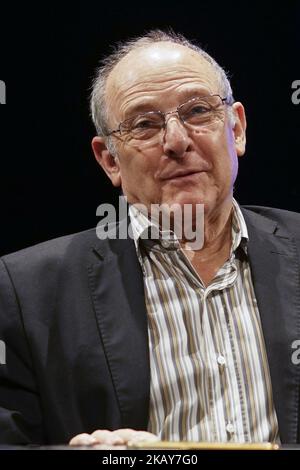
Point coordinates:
pixel 230 428
pixel 221 360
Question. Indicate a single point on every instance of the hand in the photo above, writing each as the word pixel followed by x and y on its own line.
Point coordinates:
pixel 117 439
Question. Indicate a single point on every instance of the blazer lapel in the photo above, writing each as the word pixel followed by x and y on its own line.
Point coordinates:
pixel 275 273
pixel 118 295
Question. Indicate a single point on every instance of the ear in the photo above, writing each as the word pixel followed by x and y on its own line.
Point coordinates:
pixel 106 160
pixel 239 128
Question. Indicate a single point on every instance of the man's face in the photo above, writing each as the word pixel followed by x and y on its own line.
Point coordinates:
pixel 161 77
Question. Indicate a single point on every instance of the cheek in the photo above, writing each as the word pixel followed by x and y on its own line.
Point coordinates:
pixel 223 150
pixel 218 149
pixel 137 172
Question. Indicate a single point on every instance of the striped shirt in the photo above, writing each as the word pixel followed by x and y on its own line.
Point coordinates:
pixel 210 379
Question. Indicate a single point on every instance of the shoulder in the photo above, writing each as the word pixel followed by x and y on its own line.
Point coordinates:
pixel 273 213
pixel 283 220
pixel 52 253
pixel 67 254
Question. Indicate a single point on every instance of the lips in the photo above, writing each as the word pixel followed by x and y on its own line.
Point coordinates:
pixel 180 174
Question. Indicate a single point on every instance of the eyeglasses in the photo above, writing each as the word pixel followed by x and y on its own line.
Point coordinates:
pixel 195 113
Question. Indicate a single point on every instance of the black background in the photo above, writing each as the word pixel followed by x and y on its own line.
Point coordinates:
pixel 50 183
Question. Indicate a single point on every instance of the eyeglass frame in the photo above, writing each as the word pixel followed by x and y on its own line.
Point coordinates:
pixel 227 100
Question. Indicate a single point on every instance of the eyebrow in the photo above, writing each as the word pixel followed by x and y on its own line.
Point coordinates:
pixel 140 108
pixel 151 104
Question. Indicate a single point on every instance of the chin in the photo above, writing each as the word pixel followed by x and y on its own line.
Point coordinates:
pixel 190 198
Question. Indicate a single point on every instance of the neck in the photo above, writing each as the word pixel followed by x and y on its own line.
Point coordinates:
pixel 217 243
pixel 217 234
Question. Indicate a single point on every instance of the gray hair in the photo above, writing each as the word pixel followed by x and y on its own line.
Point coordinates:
pixel 98 107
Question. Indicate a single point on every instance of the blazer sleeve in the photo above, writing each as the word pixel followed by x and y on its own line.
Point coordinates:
pixel 20 411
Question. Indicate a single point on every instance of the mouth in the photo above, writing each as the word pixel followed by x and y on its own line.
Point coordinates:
pixel 182 175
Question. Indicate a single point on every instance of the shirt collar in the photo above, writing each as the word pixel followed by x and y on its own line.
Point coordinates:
pixel 143 228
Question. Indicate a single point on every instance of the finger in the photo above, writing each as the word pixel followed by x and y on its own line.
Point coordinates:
pixel 83 439
pixel 143 436
pixel 107 437
pixel 125 433
pixel 130 434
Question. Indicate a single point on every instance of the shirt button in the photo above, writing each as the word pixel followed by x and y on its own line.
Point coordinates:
pixel 230 428
pixel 165 243
pixel 221 360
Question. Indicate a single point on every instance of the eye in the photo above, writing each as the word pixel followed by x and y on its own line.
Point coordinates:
pixel 198 109
pixel 143 124
pixel 146 122
pixel 196 112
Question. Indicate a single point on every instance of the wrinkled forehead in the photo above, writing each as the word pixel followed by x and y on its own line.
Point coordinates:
pixel 149 68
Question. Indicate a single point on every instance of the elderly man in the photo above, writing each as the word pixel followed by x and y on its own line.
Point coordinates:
pixel 151 334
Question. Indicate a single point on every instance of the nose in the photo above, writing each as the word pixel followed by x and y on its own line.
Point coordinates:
pixel 175 138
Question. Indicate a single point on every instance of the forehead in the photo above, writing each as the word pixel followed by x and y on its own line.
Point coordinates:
pixel 159 72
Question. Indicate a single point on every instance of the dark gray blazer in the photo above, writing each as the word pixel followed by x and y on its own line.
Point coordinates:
pixel 73 318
